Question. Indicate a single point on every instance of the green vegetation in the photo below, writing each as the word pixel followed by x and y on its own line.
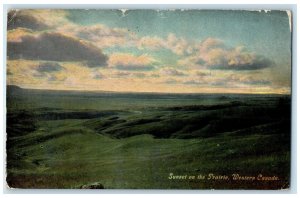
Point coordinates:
pixel 71 139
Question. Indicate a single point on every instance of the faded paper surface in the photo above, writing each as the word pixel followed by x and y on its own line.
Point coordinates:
pixel 148 99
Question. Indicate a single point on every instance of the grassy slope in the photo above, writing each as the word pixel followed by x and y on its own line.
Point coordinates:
pixel 67 153
pixel 142 162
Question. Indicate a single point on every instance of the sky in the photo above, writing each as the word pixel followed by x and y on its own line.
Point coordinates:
pixel 172 51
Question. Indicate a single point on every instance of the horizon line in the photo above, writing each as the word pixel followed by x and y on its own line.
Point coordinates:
pixel 145 92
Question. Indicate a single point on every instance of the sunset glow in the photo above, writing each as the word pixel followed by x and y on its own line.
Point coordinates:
pixel 150 51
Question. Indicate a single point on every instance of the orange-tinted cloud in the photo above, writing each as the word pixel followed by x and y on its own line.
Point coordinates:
pixel 214 54
pixel 124 61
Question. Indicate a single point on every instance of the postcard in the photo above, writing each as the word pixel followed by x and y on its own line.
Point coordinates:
pixel 148 99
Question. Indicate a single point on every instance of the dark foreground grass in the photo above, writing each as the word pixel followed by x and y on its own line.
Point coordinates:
pixel 143 162
pixel 138 147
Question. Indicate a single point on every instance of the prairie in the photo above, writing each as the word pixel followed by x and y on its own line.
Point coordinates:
pixel 66 139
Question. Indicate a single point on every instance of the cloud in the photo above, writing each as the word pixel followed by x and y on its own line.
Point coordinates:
pixel 17 19
pixel 194 82
pixel 231 81
pixel 101 35
pixel 236 59
pixel 155 75
pixel 121 74
pixel 258 82
pixel 171 72
pixel 16 35
pixel 152 43
pixel 99 30
pixel 139 75
pixel 52 18
pixel 104 36
pixel 214 54
pixel 171 81
pixel 52 78
pixel 48 70
pixel 209 44
pixel 97 75
pixel 179 46
pixel 56 47
pixel 247 80
pixel 202 74
pixel 122 61
pixel 135 67
pixel 129 75
pixel 224 81
pixel 48 67
pixel 211 53
pixel 220 83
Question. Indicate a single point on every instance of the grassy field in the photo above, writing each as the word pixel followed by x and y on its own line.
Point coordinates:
pixel 65 139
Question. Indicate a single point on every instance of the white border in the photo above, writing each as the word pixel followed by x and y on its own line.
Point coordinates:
pixel 165 4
